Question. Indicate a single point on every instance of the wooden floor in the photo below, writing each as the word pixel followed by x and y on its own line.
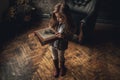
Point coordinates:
pixel 25 59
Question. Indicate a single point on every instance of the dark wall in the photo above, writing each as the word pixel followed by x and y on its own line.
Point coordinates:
pixel 109 11
pixel 3 7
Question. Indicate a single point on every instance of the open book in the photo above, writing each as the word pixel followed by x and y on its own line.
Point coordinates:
pixel 46 35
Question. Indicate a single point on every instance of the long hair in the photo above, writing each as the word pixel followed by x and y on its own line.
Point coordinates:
pixel 63 10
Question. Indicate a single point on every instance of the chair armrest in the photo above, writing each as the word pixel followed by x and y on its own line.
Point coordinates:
pixel 91 11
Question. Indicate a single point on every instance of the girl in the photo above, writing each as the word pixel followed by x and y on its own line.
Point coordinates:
pixel 61 22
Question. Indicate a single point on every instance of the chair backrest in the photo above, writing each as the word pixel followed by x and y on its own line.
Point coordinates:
pixel 82 6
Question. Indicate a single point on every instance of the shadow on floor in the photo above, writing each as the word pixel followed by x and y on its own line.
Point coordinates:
pixel 106 33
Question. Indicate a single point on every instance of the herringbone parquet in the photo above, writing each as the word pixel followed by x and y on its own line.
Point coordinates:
pixel 25 59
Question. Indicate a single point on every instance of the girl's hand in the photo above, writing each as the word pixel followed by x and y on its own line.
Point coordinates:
pixel 59 35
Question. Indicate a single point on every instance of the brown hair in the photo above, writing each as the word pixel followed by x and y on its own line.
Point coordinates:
pixel 63 10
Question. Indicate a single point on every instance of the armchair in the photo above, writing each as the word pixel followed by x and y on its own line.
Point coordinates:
pixel 84 14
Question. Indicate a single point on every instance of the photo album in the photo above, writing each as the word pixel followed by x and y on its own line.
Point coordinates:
pixel 45 35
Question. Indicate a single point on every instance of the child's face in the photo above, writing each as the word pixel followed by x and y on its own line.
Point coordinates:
pixel 59 17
